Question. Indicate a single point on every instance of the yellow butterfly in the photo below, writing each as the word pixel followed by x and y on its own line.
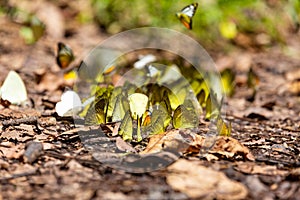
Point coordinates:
pixel 186 15
pixel 64 55
pixel 185 115
pixel 227 79
pixel 223 128
pixel 138 105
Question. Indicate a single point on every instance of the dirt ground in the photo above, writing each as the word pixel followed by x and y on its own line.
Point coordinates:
pixel 269 126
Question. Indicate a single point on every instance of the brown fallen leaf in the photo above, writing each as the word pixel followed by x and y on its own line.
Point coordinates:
pixel 124 146
pixel 230 148
pixel 113 195
pixel 13 152
pixel 176 139
pixel 252 168
pixel 188 141
pixel 199 182
pixel 4 165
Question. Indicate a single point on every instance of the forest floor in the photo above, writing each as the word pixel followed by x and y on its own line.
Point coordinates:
pixel 269 126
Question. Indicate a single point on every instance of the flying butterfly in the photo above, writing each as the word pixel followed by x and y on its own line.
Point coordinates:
pixel 64 55
pixel 186 15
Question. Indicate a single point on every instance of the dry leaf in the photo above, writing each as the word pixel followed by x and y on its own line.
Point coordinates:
pixel 113 195
pixel 252 168
pixel 197 181
pixel 124 146
pixel 175 139
pixel 230 147
pixel 188 141
pixel 14 152
pixel 4 165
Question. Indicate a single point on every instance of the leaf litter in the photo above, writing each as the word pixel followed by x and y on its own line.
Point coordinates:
pixel 67 170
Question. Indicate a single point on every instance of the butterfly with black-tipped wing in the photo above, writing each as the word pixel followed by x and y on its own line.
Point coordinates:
pixel 64 55
pixel 186 15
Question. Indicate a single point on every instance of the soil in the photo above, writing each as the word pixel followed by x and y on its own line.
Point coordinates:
pixel 59 167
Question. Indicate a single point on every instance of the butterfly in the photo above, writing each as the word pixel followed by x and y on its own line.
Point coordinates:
pixel 64 55
pixel 186 115
pixel 13 89
pixel 69 105
pixel 186 15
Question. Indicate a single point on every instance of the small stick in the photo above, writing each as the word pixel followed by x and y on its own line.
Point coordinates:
pixel 13 122
pixel 29 173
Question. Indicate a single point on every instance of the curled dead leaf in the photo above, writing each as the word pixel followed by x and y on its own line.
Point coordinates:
pixel 230 147
pixel 252 168
pixel 179 140
pixel 188 141
pixel 197 181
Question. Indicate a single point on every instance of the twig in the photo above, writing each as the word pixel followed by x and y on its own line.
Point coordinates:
pixel 29 173
pixel 33 120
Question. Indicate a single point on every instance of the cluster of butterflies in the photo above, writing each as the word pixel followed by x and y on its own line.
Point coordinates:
pixel 154 108
pixel 144 111
pixel 159 105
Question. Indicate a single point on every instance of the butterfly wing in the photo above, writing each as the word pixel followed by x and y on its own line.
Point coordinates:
pixel 186 21
pixel 186 15
pixel 190 9
pixel 64 55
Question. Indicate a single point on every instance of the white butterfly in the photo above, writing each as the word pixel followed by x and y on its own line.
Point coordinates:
pixel 143 61
pixel 13 89
pixel 69 105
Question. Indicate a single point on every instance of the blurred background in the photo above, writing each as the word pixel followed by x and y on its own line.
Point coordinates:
pixel 217 24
